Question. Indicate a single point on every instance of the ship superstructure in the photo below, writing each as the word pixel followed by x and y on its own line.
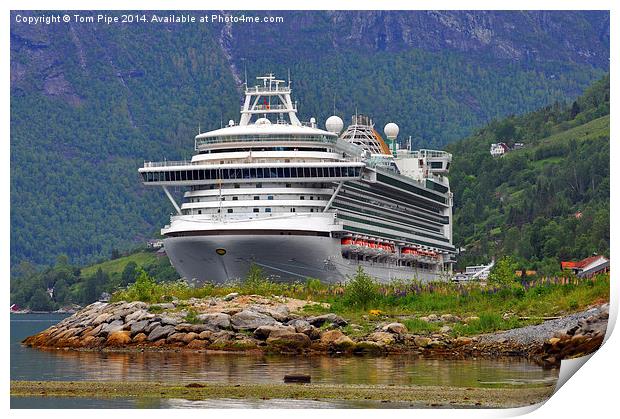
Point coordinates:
pixel 300 201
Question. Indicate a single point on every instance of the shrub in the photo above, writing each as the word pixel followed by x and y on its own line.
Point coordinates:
pixel 361 290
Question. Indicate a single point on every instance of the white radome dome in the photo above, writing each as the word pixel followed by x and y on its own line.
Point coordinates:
pixel 263 121
pixel 391 130
pixel 334 124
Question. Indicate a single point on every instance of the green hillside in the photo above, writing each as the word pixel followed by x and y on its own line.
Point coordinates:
pixel 546 202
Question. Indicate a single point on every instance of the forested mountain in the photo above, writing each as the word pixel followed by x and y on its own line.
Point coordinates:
pixel 90 102
pixel 544 203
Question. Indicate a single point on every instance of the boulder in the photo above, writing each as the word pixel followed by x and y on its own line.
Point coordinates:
pixel 343 344
pixel 175 337
pixel 91 342
pixel 243 344
pixel 368 347
pixel 251 320
pixel 382 337
pixel 152 326
pixel 115 326
pixel 422 341
pixel 139 338
pixel 215 320
pixel 102 318
pixel 330 318
pixel 264 332
pixel 289 341
pixel 169 320
pixel 120 338
pixel 331 336
pixel 437 344
pixel 396 328
pixel 139 327
pixel 198 344
pixel 137 316
pixel 160 332
pixel 462 340
pixel 432 318
pixel 206 335
pixel 279 313
pixel 190 337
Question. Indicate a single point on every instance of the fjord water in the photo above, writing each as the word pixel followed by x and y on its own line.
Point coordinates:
pixel 59 365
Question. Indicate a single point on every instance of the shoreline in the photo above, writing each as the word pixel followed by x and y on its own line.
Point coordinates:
pixel 254 324
pixel 432 396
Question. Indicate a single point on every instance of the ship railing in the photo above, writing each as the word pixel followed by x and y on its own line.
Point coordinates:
pixel 428 154
pixel 275 107
pixel 267 137
pixel 267 89
pixel 167 163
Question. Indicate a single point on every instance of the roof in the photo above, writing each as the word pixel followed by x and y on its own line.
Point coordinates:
pixel 265 129
pixel 582 263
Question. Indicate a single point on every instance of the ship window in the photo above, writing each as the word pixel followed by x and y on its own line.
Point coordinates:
pixel 311 209
pixel 235 198
pixel 313 171
pixel 259 172
pixel 306 172
pixel 311 198
pixel 286 172
pixel 199 211
pixel 236 185
pixel 267 209
pixel 302 197
pixel 255 210
pixel 436 165
pixel 287 160
pixel 292 209
pixel 280 172
pixel 331 172
pixel 288 185
pixel 270 197
pixel 230 210
pixel 256 198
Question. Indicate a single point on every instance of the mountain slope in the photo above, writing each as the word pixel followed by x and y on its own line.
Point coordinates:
pixel 90 102
pixel 545 202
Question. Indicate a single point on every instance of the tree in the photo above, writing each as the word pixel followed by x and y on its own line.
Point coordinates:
pixel 40 301
pixel 503 273
pixel 130 273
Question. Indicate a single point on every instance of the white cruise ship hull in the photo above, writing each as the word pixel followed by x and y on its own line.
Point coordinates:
pixel 227 258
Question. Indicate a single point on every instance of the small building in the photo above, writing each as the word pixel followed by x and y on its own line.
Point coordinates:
pixel 587 267
pixel 154 243
pixel 499 149
pixel 477 272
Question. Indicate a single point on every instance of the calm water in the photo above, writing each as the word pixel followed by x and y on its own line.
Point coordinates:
pixel 31 364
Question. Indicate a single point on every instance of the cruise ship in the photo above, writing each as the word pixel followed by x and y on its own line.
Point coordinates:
pixel 304 202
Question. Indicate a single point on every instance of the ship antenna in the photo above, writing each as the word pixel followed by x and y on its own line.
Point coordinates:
pixel 334 104
pixel 289 78
pixel 245 71
pixel 198 127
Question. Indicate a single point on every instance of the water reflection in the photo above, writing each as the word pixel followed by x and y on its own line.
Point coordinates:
pixel 31 364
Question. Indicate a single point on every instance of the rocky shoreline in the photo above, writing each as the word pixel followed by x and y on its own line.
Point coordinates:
pixel 256 323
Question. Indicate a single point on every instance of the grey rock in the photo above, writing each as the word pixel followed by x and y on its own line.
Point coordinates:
pixel 331 318
pixel 397 328
pixel 151 326
pixel 136 315
pixel 280 312
pixel 303 326
pixel 250 320
pixel 216 320
pixel 115 326
pixel 139 327
pixel 168 320
pixel 264 332
pixel 160 332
